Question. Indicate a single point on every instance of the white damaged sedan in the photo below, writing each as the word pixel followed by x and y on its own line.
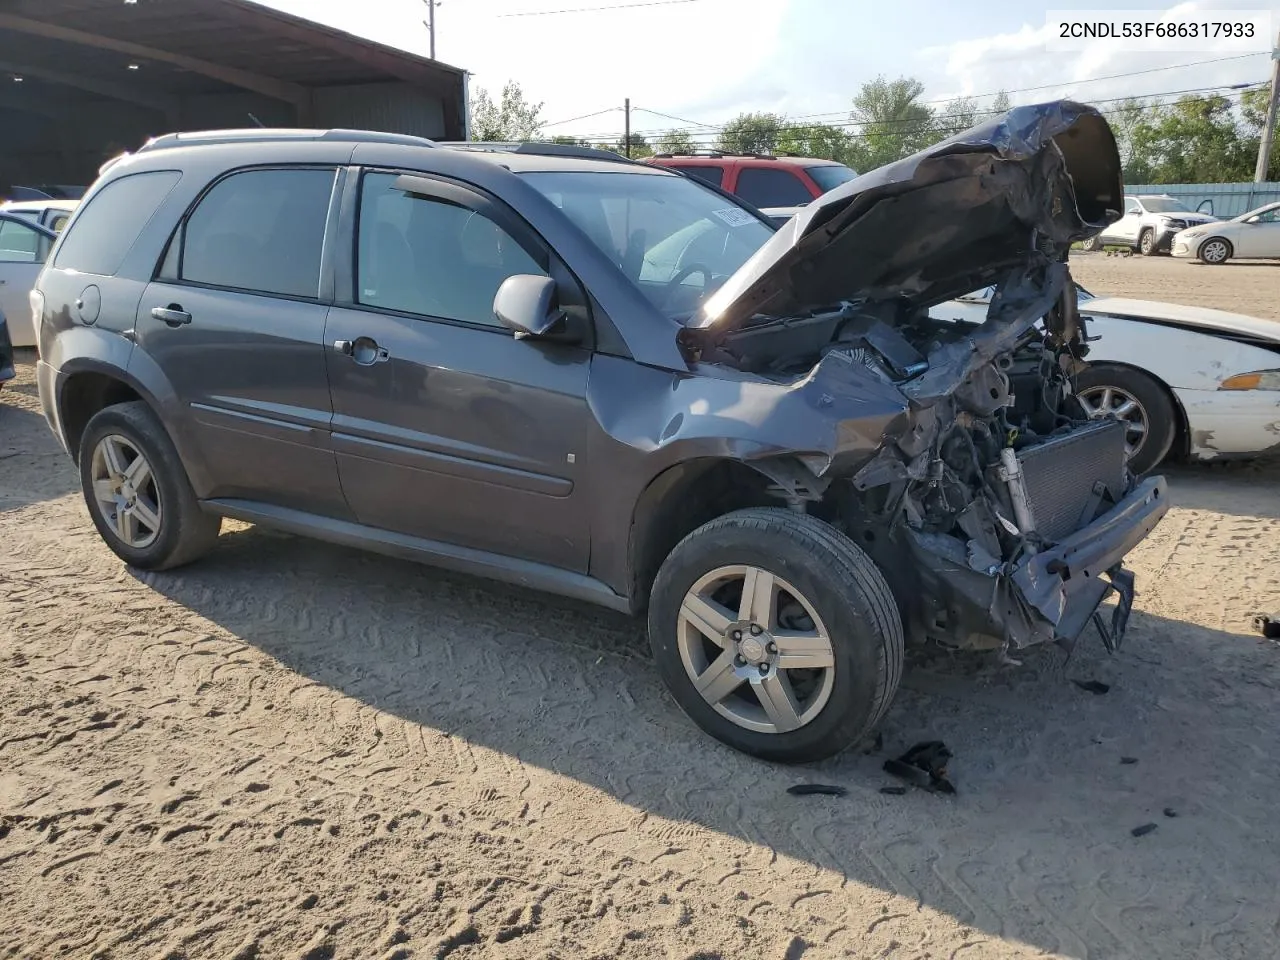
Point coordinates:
pixel 1191 381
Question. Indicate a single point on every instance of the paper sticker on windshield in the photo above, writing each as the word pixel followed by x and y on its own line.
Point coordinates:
pixel 734 217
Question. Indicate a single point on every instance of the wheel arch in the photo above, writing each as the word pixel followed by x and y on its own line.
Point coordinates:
pixel 683 497
pixel 1181 446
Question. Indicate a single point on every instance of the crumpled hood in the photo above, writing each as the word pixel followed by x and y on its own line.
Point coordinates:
pixel 938 224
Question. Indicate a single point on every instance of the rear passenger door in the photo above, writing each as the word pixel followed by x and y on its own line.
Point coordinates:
pixel 235 319
pixel 446 427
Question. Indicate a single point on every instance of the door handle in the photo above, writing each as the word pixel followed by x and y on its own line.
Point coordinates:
pixel 173 315
pixel 363 350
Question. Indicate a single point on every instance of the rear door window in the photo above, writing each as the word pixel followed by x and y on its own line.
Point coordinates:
pixel 764 187
pixel 260 231
pixel 109 225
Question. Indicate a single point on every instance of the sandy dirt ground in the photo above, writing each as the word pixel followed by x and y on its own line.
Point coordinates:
pixel 299 751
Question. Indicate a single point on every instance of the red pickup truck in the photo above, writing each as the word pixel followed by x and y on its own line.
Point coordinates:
pixel 761 180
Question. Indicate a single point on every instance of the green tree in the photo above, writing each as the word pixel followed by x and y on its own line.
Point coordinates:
pixel 511 119
pixel 568 141
pixel 893 123
pixel 639 147
pixel 751 133
pixel 675 141
pixel 1253 111
pixel 1124 118
pixel 1195 140
pixel 960 114
pixel 819 140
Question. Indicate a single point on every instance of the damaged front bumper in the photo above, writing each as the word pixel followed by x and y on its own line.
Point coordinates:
pixel 1047 596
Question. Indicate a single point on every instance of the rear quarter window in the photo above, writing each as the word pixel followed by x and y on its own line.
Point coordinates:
pixel 111 221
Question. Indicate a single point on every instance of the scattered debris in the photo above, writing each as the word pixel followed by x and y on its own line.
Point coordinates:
pixel 1128 761
pixel 924 766
pixel 1143 830
pixel 894 791
pixel 1170 812
pixel 1092 686
pixel 1268 626
pixel 830 789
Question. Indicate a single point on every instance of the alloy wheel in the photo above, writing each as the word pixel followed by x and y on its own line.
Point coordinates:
pixel 1215 251
pixel 1147 243
pixel 755 649
pixel 1102 402
pixel 125 491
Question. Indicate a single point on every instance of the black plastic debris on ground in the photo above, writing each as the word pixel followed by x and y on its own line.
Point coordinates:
pixel 828 789
pixel 1170 812
pixel 1143 830
pixel 1128 761
pixel 1268 625
pixel 1092 686
pixel 924 766
pixel 893 791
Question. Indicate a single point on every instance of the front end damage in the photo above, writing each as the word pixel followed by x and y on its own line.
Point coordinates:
pixel 998 515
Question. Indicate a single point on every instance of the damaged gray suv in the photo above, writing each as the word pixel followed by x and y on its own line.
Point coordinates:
pixel 609 381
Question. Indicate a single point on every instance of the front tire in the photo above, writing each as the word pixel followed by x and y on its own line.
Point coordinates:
pixel 1215 250
pixel 776 634
pixel 1106 389
pixel 1147 243
pixel 1090 244
pixel 138 493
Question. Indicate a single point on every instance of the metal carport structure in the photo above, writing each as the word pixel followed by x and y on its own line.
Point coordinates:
pixel 81 80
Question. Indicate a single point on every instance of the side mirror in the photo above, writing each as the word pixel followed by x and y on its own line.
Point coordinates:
pixel 525 304
pixel 1254 219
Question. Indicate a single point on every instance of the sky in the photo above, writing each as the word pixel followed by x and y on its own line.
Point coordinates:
pixel 705 61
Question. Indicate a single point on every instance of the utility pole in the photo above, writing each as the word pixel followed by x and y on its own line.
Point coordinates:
pixel 1269 128
pixel 627 136
pixel 431 23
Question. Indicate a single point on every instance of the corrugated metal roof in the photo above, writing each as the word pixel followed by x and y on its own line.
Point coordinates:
pixel 98 39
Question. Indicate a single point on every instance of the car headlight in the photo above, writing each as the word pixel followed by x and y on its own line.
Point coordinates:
pixel 1192 232
pixel 1258 380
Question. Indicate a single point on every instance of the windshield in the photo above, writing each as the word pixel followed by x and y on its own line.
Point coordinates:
pixel 828 176
pixel 1165 205
pixel 674 239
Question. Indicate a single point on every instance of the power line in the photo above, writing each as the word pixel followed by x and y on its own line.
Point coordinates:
pixel 1231 91
pixel 708 131
pixel 585 116
pixel 616 6
pixel 692 124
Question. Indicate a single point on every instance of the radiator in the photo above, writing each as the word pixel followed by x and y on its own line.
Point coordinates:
pixel 1060 474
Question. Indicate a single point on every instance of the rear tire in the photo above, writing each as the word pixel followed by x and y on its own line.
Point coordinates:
pixel 138 493
pixel 1215 250
pixel 1090 244
pixel 838 653
pixel 1106 387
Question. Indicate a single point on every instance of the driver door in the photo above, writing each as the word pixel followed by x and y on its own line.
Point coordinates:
pixel 446 427
pixel 23 250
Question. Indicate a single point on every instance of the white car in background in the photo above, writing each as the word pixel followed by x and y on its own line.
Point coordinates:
pixel 1191 381
pixel 24 247
pixel 51 213
pixel 1255 234
pixel 1149 224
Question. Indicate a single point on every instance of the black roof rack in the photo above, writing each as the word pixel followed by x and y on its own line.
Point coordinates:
pixel 269 134
pixel 537 149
